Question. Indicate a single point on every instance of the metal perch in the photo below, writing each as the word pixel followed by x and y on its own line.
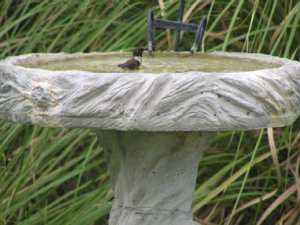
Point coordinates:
pixel 153 23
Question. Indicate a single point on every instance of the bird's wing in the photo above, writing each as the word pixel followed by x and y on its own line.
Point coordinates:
pixel 130 64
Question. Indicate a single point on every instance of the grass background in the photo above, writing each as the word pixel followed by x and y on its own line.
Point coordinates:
pixel 59 176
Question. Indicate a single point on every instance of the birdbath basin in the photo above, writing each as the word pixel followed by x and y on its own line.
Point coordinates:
pixel 154 123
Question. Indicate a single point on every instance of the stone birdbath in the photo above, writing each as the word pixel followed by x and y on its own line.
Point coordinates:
pixel 154 123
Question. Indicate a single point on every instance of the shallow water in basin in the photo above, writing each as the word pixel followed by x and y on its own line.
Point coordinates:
pixel 159 63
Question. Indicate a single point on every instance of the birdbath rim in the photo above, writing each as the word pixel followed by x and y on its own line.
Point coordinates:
pixel 168 101
pixel 271 62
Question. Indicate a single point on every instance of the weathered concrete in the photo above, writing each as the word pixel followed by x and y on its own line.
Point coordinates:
pixel 153 163
pixel 190 101
pixel 153 175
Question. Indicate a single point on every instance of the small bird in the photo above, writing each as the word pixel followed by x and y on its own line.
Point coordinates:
pixel 135 62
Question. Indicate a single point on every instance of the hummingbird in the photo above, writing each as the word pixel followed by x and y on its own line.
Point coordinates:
pixel 135 62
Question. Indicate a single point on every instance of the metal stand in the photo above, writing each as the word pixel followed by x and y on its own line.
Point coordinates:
pixel 152 23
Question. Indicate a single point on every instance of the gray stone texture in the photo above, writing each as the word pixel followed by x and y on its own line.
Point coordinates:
pixel 149 124
pixel 190 101
pixel 153 175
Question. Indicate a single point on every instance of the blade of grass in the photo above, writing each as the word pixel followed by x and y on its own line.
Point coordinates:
pixel 232 22
pixel 246 176
pixel 291 190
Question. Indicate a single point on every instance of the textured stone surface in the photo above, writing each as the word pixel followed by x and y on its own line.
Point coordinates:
pixel 153 175
pixel 189 101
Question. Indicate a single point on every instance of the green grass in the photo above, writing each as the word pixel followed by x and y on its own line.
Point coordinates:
pixel 59 176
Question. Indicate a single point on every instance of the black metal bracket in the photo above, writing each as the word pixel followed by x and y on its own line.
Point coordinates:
pixel 153 23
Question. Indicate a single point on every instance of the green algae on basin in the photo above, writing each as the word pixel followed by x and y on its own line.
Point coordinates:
pixel 159 63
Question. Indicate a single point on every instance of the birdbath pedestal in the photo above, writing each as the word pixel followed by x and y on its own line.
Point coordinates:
pixel 154 123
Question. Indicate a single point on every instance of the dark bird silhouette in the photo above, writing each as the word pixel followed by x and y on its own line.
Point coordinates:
pixel 135 62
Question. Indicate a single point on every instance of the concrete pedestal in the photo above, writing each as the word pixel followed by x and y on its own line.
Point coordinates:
pixel 153 175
